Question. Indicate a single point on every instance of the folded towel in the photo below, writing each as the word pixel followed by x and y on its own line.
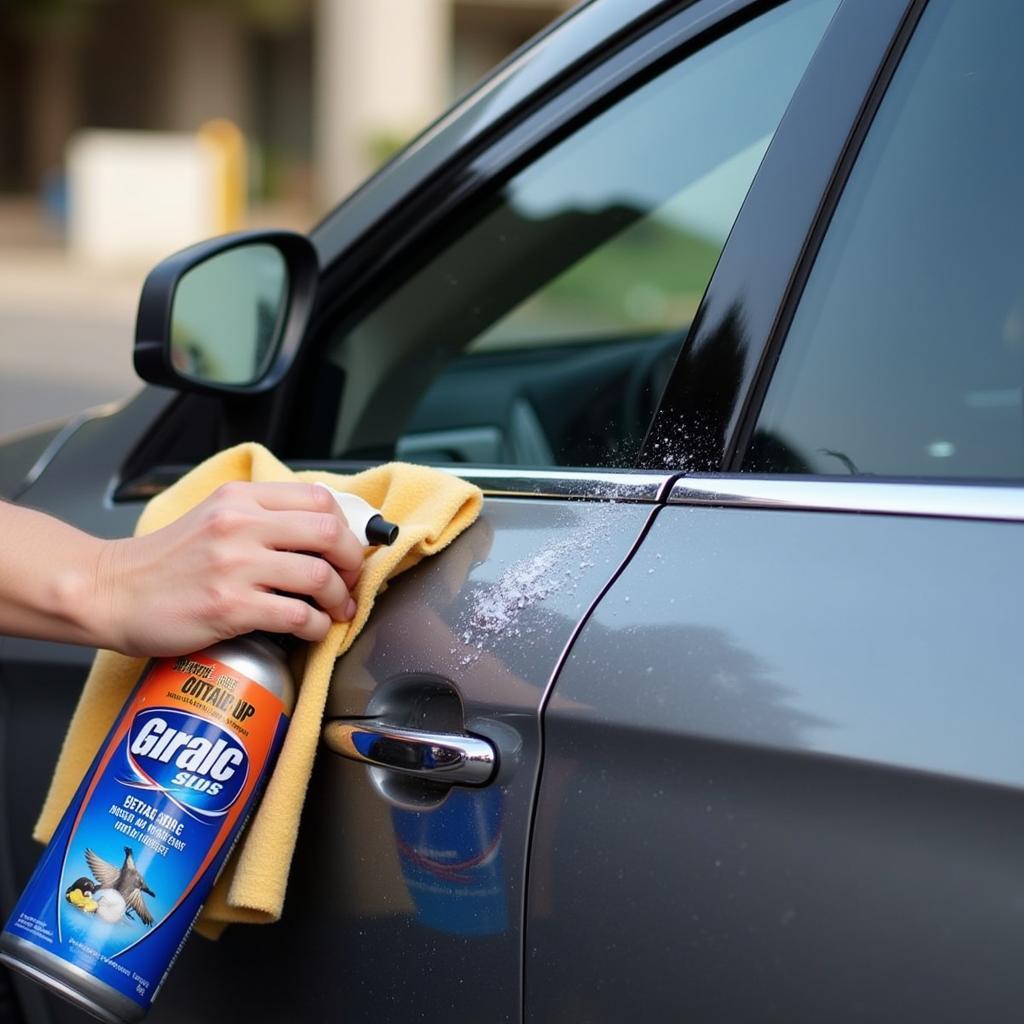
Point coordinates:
pixel 430 506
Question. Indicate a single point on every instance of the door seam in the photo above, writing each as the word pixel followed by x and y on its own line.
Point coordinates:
pixel 660 502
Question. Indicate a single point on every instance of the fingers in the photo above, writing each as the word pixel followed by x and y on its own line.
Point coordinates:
pixel 325 533
pixel 308 574
pixel 281 497
pixel 277 613
pixel 263 543
pixel 288 517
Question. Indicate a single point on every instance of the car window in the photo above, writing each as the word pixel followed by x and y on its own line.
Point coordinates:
pixel 906 353
pixel 544 332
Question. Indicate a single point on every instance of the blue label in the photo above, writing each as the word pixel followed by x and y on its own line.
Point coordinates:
pixel 198 765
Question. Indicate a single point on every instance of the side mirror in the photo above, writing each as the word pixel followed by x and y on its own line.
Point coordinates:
pixel 226 316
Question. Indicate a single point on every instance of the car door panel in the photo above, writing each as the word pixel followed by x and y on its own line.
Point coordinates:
pixel 428 901
pixel 379 908
pixel 787 750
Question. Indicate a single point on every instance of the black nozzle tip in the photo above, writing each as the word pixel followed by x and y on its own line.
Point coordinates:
pixel 380 531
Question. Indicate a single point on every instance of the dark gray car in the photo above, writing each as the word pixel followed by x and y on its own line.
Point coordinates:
pixel 722 304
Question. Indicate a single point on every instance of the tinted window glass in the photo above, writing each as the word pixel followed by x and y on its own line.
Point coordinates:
pixel 542 334
pixel 906 355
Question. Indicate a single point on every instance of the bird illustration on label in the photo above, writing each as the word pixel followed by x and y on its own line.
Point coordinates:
pixel 116 891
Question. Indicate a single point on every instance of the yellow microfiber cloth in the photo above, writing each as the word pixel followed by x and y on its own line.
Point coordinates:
pixel 431 507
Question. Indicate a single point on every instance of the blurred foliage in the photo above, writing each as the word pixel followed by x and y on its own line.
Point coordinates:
pixel 38 17
pixel 382 145
pixel 647 279
pixel 43 16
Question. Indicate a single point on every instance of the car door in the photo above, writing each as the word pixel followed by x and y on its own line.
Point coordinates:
pixel 783 774
pixel 530 323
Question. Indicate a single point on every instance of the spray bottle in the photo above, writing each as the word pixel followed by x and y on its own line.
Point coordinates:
pixel 117 890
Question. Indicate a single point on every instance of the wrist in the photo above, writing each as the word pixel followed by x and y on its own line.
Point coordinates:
pixel 83 593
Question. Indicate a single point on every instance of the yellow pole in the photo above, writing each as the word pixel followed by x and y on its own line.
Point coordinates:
pixel 226 144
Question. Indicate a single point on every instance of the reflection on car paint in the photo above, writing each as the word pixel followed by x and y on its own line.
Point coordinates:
pixel 452 862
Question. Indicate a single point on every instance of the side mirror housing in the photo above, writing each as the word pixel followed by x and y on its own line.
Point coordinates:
pixel 226 316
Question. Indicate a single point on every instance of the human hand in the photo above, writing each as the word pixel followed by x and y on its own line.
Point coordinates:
pixel 225 568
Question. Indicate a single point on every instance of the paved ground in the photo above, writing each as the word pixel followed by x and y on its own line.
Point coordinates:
pixel 65 336
pixel 66 330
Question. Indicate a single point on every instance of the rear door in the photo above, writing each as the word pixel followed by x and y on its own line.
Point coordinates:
pixel 783 770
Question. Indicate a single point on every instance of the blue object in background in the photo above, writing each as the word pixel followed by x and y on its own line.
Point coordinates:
pixel 451 858
pixel 55 198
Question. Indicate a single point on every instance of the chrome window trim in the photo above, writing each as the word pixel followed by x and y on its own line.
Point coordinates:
pixel 598 485
pixel 969 500
pixel 638 486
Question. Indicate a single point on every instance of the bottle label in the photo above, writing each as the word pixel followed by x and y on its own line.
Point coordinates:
pixel 152 823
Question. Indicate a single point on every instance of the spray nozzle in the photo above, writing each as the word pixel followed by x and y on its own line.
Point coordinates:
pixel 366 522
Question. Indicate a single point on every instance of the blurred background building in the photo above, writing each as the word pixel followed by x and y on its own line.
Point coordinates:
pixel 321 91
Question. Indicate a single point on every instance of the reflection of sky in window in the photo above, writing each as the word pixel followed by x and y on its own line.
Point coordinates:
pixel 671 135
pixel 709 206
pixel 705 209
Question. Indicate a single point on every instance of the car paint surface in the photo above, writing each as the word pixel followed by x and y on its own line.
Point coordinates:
pixel 788 766
pixel 18 457
pixel 778 776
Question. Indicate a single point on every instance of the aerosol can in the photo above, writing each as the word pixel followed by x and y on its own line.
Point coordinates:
pixel 121 883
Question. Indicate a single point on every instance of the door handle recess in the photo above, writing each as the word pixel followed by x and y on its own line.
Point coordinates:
pixel 455 759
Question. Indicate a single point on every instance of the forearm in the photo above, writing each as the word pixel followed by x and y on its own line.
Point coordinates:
pixel 232 564
pixel 50 579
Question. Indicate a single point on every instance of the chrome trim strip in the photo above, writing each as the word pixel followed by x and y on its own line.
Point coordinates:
pixel 49 453
pixel 1002 503
pixel 597 484
pixel 637 486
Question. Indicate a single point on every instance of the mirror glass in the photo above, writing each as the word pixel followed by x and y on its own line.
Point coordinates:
pixel 228 315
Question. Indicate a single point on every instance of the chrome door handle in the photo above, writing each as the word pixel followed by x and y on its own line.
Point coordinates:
pixel 456 759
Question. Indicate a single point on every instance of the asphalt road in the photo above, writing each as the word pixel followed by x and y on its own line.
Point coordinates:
pixel 65 338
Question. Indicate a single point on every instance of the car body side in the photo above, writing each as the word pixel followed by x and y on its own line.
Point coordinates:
pixel 759 761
